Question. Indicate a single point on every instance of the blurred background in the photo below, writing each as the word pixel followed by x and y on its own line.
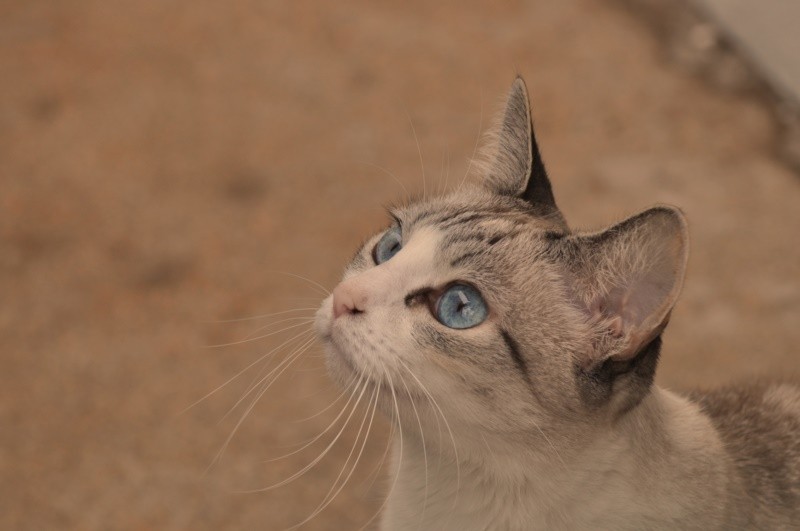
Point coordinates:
pixel 161 160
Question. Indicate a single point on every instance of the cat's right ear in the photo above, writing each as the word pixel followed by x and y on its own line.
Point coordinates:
pixel 516 168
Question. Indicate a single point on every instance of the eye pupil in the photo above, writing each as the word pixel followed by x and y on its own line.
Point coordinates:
pixel 461 306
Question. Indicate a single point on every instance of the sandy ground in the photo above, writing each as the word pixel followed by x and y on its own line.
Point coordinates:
pixel 160 160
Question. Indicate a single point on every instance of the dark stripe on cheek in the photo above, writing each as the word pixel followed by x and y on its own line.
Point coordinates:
pixel 516 355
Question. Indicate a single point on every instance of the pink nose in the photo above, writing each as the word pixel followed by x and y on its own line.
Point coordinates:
pixel 348 299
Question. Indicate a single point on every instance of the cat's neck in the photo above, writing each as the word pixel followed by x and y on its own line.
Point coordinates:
pixel 663 460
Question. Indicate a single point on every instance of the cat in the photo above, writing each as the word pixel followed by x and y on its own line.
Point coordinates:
pixel 516 359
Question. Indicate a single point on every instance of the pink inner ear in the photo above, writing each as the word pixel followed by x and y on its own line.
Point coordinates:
pixel 638 312
pixel 637 276
pixel 615 326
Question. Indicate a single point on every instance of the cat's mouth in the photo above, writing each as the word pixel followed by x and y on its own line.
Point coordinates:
pixel 346 364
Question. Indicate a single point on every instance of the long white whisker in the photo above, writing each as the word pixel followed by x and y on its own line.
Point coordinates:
pixel 326 408
pixel 330 497
pixel 252 405
pixel 331 425
pixel 374 474
pixel 446 423
pixel 400 460
pixel 390 174
pixel 424 448
pixel 248 367
pixel 306 342
pixel 389 441
pixel 419 150
pixel 549 442
pixel 313 283
pixel 306 321
pixel 279 321
pixel 447 172
pixel 256 317
pixel 305 337
pixel 474 149
pixel 319 457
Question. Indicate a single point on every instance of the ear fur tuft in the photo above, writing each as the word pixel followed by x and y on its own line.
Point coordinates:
pixel 515 166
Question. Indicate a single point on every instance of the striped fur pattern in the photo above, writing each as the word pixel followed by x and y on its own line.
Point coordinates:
pixel 545 416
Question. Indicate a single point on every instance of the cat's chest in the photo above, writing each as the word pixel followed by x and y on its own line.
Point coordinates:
pixel 491 508
pixel 442 498
pixel 575 494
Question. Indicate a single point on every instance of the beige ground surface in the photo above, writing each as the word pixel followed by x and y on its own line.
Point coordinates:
pixel 158 160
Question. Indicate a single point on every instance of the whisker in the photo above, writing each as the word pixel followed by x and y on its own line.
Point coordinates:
pixel 248 367
pixel 446 423
pixel 549 442
pixel 419 150
pixel 259 379
pixel 306 321
pixel 373 476
pixel 320 456
pixel 378 469
pixel 400 460
pixel 333 423
pixel 256 317
pixel 279 321
pixel 447 171
pixel 318 413
pixel 250 408
pixel 330 497
pixel 474 149
pixel 313 283
pixel 390 174
pixel 424 448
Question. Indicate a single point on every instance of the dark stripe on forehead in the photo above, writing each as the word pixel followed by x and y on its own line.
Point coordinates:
pixel 421 216
pixel 446 222
pixel 448 216
pixel 464 257
pixel 491 238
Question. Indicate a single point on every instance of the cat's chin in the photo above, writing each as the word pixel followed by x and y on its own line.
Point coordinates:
pixel 339 362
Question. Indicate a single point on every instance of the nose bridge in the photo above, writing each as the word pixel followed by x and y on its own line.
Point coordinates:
pixel 363 291
pixel 414 264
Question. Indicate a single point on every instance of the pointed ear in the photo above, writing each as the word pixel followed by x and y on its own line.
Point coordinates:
pixel 634 272
pixel 516 169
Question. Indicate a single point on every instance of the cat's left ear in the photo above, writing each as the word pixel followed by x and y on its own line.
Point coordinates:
pixel 633 273
pixel 516 168
pixel 626 279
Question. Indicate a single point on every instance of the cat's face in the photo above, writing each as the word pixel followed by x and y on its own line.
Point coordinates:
pixel 482 306
pixel 474 245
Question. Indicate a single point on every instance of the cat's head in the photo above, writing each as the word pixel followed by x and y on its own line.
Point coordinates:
pixel 483 305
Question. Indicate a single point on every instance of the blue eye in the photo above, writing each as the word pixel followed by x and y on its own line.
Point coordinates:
pixel 387 246
pixel 461 306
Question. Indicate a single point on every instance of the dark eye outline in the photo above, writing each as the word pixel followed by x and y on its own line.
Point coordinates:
pixel 398 245
pixel 431 297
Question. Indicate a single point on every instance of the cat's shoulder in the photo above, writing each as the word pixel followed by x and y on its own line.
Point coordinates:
pixel 761 403
pixel 759 422
pixel 759 425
